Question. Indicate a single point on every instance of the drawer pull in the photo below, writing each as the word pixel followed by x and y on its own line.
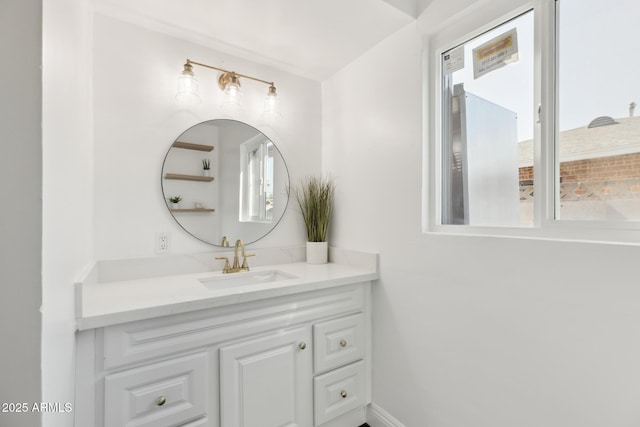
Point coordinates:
pixel 343 343
pixel 161 400
pixel 343 394
pixel 302 345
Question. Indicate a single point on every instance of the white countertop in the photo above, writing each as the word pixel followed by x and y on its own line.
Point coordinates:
pixel 103 304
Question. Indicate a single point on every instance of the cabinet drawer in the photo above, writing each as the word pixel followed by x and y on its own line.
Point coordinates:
pixel 338 392
pixel 162 394
pixel 338 342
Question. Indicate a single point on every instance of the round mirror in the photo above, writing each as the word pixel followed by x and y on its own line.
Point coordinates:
pixel 224 179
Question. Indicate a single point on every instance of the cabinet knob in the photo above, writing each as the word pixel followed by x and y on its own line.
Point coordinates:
pixel 161 400
pixel 302 345
pixel 343 394
pixel 343 343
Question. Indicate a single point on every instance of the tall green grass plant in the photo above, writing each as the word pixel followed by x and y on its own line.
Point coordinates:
pixel 315 198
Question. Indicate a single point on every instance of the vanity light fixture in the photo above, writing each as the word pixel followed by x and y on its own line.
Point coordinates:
pixel 229 83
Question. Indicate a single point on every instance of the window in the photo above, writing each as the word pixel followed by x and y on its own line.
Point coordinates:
pixel 534 123
pixel 487 104
pixel 599 131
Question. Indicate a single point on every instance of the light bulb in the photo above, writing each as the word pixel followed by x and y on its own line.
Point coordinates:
pixel 229 82
pixel 271 105
pixel 232 89
pixel 187 86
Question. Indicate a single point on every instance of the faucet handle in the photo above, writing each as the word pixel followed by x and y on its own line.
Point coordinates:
pixel 227 266
pixel 244 261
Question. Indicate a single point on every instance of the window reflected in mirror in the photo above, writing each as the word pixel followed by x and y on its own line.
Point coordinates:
pixel 256 180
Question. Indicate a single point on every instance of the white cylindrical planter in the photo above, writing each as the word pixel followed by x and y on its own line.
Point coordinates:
pixel 317 252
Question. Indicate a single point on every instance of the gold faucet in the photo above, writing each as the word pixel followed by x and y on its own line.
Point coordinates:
pixel 236 267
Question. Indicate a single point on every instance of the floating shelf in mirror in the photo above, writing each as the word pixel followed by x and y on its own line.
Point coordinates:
pixel 191 146
pixel 194 210
pixel 188 177
pixel 249 195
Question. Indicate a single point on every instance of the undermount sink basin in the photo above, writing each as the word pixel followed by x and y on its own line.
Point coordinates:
pixel 244 278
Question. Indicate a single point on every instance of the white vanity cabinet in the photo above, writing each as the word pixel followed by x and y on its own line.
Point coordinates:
pixel 301 359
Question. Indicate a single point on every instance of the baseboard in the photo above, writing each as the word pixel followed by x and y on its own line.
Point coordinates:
pixel 378 417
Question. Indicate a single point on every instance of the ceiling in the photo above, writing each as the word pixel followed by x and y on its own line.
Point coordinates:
pixel 312 38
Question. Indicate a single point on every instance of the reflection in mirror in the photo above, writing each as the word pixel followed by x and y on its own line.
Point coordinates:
pixel 256 180
pixel 244 194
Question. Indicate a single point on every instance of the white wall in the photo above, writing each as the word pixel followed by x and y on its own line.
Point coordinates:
pixel 137 118
pixel 67 241
pixel 470 331
pixel 21 225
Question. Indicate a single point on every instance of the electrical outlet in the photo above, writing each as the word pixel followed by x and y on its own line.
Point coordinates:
pixel 162 242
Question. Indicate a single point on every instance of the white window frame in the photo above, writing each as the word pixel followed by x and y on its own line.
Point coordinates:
pixel 484 16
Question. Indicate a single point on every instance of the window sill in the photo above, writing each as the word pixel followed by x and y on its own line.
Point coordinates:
pixel 565 231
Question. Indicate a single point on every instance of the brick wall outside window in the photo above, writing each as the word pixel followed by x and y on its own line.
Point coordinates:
pixel 616 177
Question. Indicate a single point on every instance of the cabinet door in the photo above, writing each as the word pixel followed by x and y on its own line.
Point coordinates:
pixel 267 381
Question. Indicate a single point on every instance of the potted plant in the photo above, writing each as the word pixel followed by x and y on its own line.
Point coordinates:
pixel 175 202
pixel 206 167
pixel 315 199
